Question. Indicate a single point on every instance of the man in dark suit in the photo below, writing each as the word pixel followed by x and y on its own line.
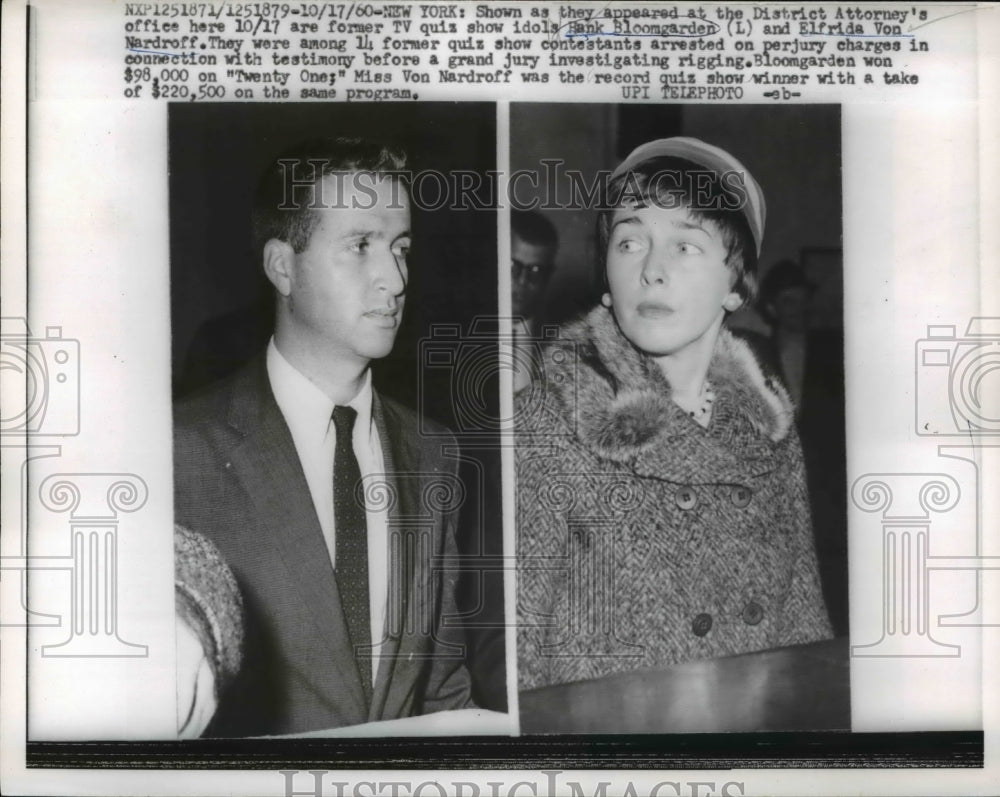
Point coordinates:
pixel 809 361
pixel 533 246
pixel 335 515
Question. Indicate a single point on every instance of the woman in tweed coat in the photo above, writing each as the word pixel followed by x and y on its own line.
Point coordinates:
pixel 661 506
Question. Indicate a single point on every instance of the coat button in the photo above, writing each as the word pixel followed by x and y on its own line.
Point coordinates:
pixel 740 496
pixel 753 613
pixel 685 498
pixel 702 624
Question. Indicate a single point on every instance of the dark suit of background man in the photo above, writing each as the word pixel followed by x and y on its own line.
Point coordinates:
pixel 533 246
pixel 344 624
pixel 810 362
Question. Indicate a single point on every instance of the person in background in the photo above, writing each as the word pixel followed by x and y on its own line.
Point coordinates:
pixel 662 512
pixel 809 361
pixel 534 243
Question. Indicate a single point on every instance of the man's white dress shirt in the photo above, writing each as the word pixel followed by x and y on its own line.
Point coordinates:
pixel 308 412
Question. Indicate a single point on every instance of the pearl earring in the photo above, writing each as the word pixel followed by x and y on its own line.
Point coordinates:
pixel 606 299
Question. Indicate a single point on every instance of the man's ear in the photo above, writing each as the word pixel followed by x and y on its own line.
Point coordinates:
pixel 279 265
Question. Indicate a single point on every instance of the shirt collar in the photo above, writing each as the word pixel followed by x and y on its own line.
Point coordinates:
pixel 302 402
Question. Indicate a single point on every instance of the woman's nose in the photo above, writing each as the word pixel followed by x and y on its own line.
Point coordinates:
pixel 656 267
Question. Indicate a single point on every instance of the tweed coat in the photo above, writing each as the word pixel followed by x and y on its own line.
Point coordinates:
pixel 645 539
pixel 207 598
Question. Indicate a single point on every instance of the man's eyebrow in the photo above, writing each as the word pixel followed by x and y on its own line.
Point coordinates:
pixel 376 233
pixel 360 232
pixel 368 233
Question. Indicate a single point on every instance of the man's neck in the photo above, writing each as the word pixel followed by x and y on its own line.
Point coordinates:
pixel 783 335
pixel 339 378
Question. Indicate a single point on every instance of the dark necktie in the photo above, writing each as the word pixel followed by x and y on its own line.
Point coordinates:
pixel 351 546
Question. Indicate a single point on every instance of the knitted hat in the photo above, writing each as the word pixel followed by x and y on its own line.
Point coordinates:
pixel 712 158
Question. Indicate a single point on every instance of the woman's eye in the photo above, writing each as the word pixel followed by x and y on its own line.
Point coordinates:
pixel 360 246
pixel 401 249
pixel 629 246
pixel 688 248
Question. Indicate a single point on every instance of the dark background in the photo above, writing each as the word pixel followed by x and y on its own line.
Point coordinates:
pixel 222 305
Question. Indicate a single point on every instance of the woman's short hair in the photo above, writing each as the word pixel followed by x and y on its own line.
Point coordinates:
pixel 671 182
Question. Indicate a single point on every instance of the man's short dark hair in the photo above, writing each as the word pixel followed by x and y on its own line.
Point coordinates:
pixel 533 228
pixel 277 215
pixel 782 276
pixel 672 182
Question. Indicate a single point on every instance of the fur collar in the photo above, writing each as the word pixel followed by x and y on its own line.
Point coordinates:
pixel 623 401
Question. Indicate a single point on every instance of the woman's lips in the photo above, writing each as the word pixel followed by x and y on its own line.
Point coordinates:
pixel 653 310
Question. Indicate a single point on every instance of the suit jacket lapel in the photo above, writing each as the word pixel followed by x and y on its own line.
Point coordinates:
pixel 402 468
pixel 267 464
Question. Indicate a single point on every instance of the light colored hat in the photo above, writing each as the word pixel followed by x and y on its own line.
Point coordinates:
pixel 712 158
